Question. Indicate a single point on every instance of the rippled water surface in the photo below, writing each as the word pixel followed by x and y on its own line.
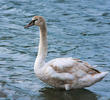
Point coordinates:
pixel 77 28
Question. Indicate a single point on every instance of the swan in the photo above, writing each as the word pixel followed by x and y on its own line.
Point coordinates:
pixel 67 73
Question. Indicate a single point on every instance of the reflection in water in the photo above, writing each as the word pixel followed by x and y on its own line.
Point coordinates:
pixel 2 94
pixel 56 94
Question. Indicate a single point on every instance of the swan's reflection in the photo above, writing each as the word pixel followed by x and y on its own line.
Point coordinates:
pixel 58 94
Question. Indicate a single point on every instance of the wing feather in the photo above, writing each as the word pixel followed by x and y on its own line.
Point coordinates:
pixel 63 71
pixel 72 66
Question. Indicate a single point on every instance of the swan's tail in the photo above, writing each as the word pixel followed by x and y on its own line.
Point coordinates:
pixel 92 79
pixel 100 76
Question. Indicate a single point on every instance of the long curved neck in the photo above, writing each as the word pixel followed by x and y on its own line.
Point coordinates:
pixel 42 51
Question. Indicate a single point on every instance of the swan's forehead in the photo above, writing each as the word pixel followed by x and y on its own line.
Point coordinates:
pixel 35 17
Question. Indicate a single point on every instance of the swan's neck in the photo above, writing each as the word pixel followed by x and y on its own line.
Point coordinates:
pixel 42 51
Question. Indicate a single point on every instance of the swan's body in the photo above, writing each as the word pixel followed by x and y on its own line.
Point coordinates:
pixel 68 73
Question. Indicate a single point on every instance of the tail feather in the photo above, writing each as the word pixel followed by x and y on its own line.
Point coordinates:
pixel 100 76
pixel 92 79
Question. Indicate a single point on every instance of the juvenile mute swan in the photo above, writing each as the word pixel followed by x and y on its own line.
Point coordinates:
pixel 67 73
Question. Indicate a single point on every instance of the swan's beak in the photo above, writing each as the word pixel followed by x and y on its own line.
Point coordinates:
pixel 30 24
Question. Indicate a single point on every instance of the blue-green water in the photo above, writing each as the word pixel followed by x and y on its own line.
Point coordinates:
pixel 76 28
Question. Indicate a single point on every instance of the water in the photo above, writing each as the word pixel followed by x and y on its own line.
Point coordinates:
pixel 78 28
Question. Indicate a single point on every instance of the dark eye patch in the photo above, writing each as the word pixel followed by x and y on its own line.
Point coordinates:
pixel 35 20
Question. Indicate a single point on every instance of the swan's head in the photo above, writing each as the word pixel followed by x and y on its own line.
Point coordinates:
pixel 37 21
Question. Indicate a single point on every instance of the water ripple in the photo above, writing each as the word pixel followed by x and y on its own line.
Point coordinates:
pixel 79 28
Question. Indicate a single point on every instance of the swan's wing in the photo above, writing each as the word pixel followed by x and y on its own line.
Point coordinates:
pixel 71 73
pixel 68 69
pixel 71 65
